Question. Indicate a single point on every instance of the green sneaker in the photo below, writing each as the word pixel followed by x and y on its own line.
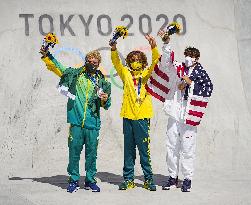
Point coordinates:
pixel 149 185
pixel 127 185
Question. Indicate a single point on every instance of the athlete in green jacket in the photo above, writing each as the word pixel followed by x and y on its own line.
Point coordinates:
pixel 87 90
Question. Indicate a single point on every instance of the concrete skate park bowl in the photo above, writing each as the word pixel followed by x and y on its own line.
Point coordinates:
pixel 34 132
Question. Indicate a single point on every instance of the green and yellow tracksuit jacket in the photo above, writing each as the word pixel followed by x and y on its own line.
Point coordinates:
pixel 85 109
pixel 130 108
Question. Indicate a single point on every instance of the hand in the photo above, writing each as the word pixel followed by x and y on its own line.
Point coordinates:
pixel 182 86
pixel 187 79
pixel 164 36
pixel 151 40
pixel 104 97
pixel 161 33
pixel 113 45
pixel 43 51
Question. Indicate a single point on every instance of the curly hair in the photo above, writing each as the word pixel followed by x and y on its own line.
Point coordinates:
pixel 192 52
pixel 93 54
pixel 140 54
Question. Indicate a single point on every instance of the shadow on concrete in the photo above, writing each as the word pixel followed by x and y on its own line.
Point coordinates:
pixel 159 179
pixel 62 180
pixel 58 180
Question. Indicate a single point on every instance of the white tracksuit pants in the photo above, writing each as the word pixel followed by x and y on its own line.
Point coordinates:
pixel 181 143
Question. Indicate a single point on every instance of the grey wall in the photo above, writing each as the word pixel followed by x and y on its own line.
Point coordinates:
pixel 243 35
pixel 33 125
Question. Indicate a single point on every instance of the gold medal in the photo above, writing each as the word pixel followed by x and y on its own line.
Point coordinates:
pixel 137 90
pixel 139 100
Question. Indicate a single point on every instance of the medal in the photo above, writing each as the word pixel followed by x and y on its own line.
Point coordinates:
pixel 99 91
pixel 139 100
pixel 94 80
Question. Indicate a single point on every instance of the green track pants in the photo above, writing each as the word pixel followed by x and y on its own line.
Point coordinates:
pixel 136 132
pixel 78 137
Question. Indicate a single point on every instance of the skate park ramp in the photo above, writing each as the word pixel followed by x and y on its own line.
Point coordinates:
pixel 33 128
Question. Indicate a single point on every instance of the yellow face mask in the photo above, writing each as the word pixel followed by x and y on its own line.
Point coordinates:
pixel 136 66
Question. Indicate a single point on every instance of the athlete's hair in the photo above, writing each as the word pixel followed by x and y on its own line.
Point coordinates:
pixel 192 52
pixel 93 54
pixel 140 54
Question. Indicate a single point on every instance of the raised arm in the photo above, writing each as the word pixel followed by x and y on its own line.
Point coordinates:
pixel 116 61
pixel 166 62
pixel 155 58
pixel 51 63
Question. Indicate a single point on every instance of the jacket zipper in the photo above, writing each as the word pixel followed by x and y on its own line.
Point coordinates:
pixel 86 101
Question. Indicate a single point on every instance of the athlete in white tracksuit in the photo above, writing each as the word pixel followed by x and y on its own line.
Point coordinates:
pixel 181 137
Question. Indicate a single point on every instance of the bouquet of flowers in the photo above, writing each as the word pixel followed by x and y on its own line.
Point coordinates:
pixel 50 40
pixel 119 31
pixel 173 28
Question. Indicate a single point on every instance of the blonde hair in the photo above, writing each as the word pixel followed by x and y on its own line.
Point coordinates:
pixel 93 54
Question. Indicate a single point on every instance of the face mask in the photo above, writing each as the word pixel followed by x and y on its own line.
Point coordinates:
pixel 90 68
pixel 136 66
pixel 189 61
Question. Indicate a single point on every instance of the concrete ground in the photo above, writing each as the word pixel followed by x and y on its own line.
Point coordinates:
pixel 216 189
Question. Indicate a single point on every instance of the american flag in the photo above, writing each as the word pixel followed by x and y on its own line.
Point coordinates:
pixel 196 107
pixel 167 75
pixel 159 85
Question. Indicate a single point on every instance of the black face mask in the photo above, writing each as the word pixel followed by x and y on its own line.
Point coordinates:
pixel 90 68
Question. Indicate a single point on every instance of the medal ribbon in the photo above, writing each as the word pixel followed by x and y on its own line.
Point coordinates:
pixel 93 79
pixel 138 86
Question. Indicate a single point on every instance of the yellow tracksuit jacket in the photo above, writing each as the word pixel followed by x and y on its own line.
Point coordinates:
pixel 130 108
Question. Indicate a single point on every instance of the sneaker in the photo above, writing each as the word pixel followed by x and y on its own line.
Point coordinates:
pixel 171 183
pixel 149 185
pixel 91 186
pixel 186 185
pixel 128 184
pixel 73 186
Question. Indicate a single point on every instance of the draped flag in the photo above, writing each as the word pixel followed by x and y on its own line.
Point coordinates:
pixel 196 107
pixel 159 85
pixel 163 85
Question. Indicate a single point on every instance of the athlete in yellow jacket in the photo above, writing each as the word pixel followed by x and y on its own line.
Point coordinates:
pixel 136 111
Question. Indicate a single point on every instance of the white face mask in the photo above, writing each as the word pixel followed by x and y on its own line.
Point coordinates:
pixel 189 61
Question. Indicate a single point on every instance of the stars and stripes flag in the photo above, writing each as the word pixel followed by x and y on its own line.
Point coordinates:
pixel 163 84
pixel 196 107
pixel 159 84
